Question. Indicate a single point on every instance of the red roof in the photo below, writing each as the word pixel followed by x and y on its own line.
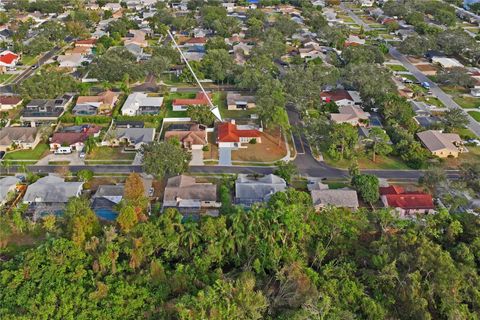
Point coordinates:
pixel 87 41
pixel 8 57
pixel 10 100
pixel 199 100
pixel 70 138
pixel 228 132
pixel 391 190
pixel 336 95
pixel 199 40
pixel 397 198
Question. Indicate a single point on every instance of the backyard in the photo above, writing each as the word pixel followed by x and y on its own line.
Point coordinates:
pixel 168 104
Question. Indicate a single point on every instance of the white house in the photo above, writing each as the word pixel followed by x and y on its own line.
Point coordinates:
pixel 139 103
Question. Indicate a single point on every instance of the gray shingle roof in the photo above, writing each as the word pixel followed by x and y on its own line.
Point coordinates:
pixel 185 188
pixel 336 197
pixel 249 190
pixel 6 185
pixel 52 189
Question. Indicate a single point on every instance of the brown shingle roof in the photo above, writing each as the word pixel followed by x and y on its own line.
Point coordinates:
pixel 435 140
pixel 186 188
pixel 10 134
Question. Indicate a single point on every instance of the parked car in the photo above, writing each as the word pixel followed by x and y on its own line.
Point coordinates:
pixel 426 85
pixel 63 150
pixel 81 155
pixel 2 154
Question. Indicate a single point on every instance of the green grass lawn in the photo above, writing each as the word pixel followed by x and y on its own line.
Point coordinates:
pixel 4 77
pixel 28 60
pixel 454 90
pixel 109 153
pixel 475 115
pixel 365 162
pixel 168 104
pixel 409 76
pixel 34 154
pixel 467 102
pixel 396 67
pixel 466 133
pixel 432 100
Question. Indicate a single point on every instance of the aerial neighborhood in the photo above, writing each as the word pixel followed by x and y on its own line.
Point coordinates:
pixel 240 159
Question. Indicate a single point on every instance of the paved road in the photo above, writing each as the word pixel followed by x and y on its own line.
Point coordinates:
pixel 355 18
pixel 307 167
pixel 29 71
pixel 436 90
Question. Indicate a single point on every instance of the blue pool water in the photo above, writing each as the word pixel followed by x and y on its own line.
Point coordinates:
pixel 106 214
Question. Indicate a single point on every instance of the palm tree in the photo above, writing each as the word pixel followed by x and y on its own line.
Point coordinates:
pixel 191 235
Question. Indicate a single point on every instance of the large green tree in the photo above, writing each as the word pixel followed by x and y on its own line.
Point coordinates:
pixel 165 158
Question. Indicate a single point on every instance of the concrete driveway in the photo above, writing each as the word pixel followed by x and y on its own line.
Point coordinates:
pixel 224 156
pixel 73 158
pixel 197 157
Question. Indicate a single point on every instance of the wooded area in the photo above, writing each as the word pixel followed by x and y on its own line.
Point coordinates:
pixel 278 261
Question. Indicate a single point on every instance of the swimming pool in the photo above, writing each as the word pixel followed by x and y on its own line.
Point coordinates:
pixel 106 214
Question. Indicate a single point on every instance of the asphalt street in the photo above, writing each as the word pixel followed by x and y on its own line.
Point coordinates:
pixel 436 90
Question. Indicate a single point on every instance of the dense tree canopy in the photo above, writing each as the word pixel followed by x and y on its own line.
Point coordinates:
pixel 47 85
pixel 280 260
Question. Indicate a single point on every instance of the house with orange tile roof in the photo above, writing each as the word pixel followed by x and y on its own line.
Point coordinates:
pixel 231 135
pixel 183 104
pixel 406 203
pixel 88 43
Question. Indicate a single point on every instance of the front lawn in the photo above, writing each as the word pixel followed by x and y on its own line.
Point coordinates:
pixel 475 115
pixel 28 60
pixel 271 149
pixel 432 101
pixel 110 153
pixel 466 133
pixel 5 77
pixel 467 102
pixel 453 90
pixel 396 67
pixel 212 153
pixel 39 152
pixel 472 155
pixel 365 162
